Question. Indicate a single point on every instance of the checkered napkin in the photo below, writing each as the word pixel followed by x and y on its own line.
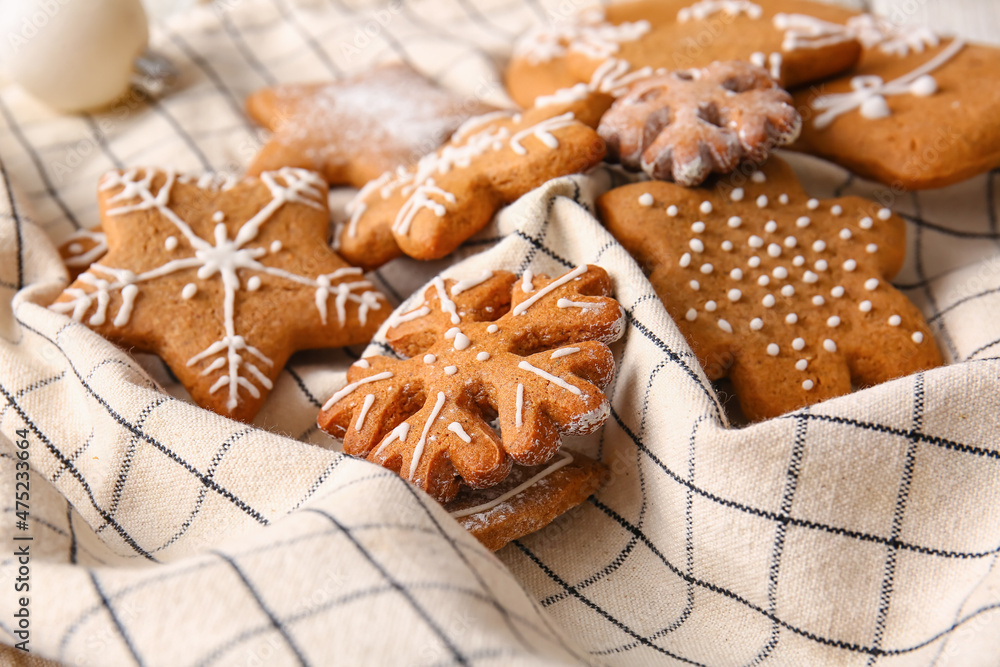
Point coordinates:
pixel 861 531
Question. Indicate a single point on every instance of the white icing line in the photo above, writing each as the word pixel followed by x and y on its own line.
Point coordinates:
pixel 400 433
pixel 447 305
pixel 520 405
pixel 555 284
pixel 469 283
pixel 457 429
pixel 369 399
pixel 525 366
pixel 562 352
pixel 349 389
pixel 520 488
pixel 418 451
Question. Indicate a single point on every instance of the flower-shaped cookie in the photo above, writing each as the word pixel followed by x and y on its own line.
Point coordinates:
pixel 223 279
pixel 685 125
pixel 531 352
pixel 787 296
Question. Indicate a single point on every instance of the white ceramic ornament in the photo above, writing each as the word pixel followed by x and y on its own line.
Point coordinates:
pixel 72 54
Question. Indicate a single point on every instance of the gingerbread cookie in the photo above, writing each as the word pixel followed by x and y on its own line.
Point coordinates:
pixel 914 114
pixel 786 295
pixel 223 279
pixel 791 38
pixel 529 499
pixel 429 209
pixel 687 124
pixel 531 352
pixel 82 248
pixel 354 130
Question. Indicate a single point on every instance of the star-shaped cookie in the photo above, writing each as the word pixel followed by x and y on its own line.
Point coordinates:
pixel 354 130
pixel 786 295
pixel 222 279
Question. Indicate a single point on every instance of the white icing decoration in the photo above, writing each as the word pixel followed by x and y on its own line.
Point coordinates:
pixel 566 303
pixel 727 245
pixel 788 290
pixel 223 258
pixel 837 291
pixel 645 199
pixel 558 381
pixel 398 433
pixel 865 306
pixel 884 214
pixel 818 300
pixel 429 358
pixel 802 222
pixel 461 340
pixel 780 272
pixel 762 201
pixel 819 245
pixel 845 234
pixel 895 320
pixel 798 344
pixel 418 451
pixel 706 268
pixel 590 37
pixel 801 364
pixel 350 388
pixel 469 283
pixel 218 216
pixel 695 285
pixel 672 211
pixel 773 350
pixel 520 488
pixel 871 248
pixel 763 281
pixel 555 284
pixel 447 305
pixel 542 131
pixel 483 356
pixel 812 204
pixel 833 321
pixel 850 265
pixel 872 31
pixel 768 301
pixel 837 209
pixel 253 284
pixel 866 223
pixel 706 207
pixel 725 326
pixel 365 407
pixel 492 328
pixel 170 243
pixel 565 351
pixel 698 227
pixel 710 306
pixel 526 284
pixel 362 363
pixel 774 250
pixel 450 370
pixel 417 313
pixel 782 198
pixel 808 32
pixel 869 92
pixel 917 337
pixel 189 291
pixel 756 324
pixel 706 8
pixel 697 245
pixel 737 194
pixel 871 284
pixel 735 221
pixel 758 177
pixel 734 294
pixel 791 318
pixel 771 226
pixel 736 274
pixel 791 241
pixel 691 315
pixel 685 260
pixel 457 429
pixel 807 385
pixel 829 345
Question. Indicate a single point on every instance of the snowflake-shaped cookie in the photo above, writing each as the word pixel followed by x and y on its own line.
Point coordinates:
pixel 222 279
pixel 530 351
pixel 429 209
pixel 687 124
pixel 786 295
pixel 352 131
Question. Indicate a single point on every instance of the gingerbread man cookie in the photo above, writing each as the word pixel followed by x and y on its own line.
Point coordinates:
pixel 786 295
pixel 354 130
pixel 429 209
pixel 223 279
pixel 914 114
pixel 687 124
pixel 791 38
pixel 531 352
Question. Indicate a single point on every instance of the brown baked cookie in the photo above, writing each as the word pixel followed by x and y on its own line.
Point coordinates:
pixel 429 209
pixel 82 248
pixel 223 279
pixel 530 352
pixel 787 296
pixel 528 500
pixel 354 130
pixel 916 112
pixel 684 125
pixel 796 40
